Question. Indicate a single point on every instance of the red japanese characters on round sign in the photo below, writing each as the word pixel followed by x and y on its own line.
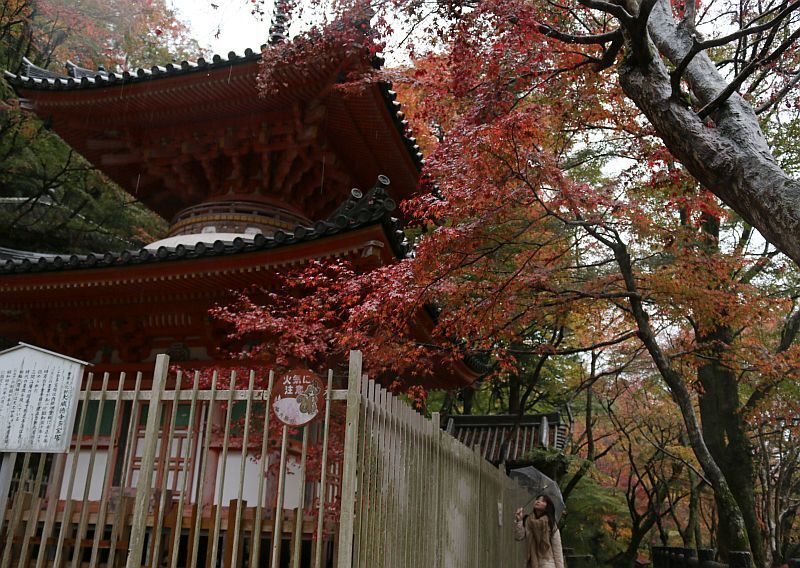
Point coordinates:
pixel 297 398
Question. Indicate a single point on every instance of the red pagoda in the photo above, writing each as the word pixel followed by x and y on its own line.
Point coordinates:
pixel 252 185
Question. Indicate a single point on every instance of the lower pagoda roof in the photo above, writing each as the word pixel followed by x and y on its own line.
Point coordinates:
pixel 355 213
pixel 88 297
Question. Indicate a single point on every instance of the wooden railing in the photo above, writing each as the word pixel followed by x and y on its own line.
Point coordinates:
pixel 673 557
pixel 154 478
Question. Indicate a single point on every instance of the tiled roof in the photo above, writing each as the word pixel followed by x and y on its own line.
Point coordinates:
pixel 79 78
pixel 359 210
pixel 14 254
pixel 34 77
pixel 509 438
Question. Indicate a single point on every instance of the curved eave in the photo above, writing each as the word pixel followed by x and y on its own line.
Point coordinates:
pixel 213 270
pixel 141 75
pixel 374 211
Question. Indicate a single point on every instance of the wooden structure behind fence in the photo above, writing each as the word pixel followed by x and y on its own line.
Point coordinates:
pixel 176 488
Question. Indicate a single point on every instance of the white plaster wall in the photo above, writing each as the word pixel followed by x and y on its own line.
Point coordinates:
pixel 251 475
pixel 97 475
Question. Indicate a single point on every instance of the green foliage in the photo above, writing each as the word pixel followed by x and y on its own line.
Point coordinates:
pixel 783 138
pixel 551 462
pixel 596 520
pixel 52 200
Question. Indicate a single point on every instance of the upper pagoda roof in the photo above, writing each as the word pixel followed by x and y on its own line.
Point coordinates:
pixel 156 131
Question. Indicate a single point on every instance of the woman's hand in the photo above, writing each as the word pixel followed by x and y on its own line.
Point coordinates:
pixel 518 514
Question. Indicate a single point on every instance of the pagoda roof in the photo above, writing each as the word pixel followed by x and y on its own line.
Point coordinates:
pixel 137 125
pixel 362 228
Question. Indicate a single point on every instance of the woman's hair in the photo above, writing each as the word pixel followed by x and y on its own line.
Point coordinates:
pixel 549 511
pixel 542 526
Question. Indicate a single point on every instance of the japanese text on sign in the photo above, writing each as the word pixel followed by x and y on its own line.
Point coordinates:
pixel 38 400
pixel 297 398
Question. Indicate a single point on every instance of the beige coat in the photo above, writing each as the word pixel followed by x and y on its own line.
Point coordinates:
pixel 544 549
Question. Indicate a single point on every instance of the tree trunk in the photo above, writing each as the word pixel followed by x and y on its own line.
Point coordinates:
pixel 514 405
pixel 590 448
pixel 729 157
pixel 785 541
pixel 724 430
pixel 627 558
pixel 691 534
pixel 727 440
pixel 730 514
pixel 468 395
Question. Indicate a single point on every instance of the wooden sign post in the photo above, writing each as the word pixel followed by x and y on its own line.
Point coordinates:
pixel 297 399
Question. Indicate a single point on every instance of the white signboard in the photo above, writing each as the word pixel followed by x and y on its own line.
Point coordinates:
pixel 38 399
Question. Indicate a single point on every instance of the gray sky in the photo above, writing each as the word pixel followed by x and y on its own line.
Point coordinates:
pixel 238 28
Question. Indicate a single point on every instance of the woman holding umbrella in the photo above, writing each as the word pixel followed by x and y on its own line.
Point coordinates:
pixel 540 532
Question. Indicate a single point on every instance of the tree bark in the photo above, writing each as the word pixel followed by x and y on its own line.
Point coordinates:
pixel 693 535
pixel 468 395
pixel 514 391
pixel 731 157
pixel 590 448
pixel 727 440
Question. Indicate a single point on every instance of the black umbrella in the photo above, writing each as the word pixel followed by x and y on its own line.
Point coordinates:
pixel 539 484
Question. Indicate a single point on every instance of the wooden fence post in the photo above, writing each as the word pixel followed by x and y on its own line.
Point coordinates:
pixel 143 492
pixel 690 557
pixel 655 556
pixel 6 472
pixel 437 498
pixel 346 517
pixel 669 557
pixel 323 474
pixel 476 465
pixel 705 555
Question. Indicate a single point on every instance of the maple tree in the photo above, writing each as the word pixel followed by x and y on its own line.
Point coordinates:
pixel 14 17
pixel 527 250
pixel 778 473
pixel 654 465
pixel 120 34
